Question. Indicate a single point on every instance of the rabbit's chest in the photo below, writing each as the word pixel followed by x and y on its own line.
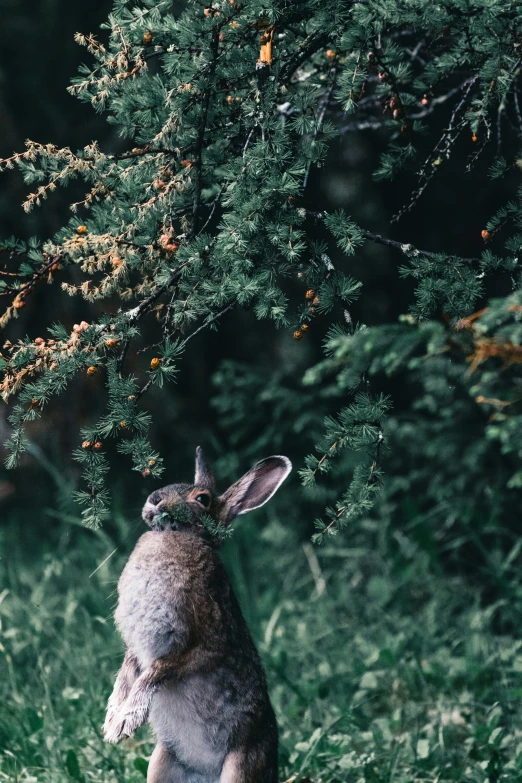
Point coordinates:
pixel 149 608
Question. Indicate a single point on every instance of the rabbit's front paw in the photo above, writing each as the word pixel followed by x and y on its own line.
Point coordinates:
pixel 123 724
pixel 108 729
pixel 115 728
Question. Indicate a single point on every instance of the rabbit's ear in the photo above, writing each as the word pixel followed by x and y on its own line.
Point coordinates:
pixel 204 475
pixel 254 488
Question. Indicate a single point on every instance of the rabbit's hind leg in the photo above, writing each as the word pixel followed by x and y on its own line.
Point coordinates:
pixel 164 767
pixel 246 765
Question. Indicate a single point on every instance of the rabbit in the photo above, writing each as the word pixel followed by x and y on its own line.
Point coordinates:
pixel 191 667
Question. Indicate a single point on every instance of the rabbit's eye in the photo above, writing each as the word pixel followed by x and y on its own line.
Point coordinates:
pixel 204 500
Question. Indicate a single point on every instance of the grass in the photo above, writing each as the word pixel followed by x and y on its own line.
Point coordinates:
pixel 375 675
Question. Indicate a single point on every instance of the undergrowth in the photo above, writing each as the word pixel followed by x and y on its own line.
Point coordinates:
pixel 375 674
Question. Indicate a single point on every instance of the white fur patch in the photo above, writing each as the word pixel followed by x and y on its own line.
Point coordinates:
pixel 177 725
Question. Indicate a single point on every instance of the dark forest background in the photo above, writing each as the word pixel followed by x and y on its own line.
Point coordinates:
pixel 38 56
pixel 377 646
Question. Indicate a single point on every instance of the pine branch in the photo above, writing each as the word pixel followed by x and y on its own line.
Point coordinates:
pixel 409 249
pixel 208 323
pixel 183 343
pixel 201 131
pixel 308 48
pixel 202 209
pixel 21 293
pixel 404 247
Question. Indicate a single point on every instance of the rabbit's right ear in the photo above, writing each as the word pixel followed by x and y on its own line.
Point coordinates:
pixel 254 488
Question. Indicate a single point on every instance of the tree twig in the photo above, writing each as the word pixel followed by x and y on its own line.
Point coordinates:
pixel 207 323
pixel 405 247
pixel 409 249
pixel 186 340
pixel 323 107
pixel 201 134
pixel 308 48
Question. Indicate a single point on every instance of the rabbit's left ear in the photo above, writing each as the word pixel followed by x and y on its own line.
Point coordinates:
pixel 255 488
pixel 204 475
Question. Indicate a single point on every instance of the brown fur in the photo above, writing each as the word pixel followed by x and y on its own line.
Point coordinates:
pixel 191 664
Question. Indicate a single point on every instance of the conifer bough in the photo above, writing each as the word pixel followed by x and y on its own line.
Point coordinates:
pixel 224 109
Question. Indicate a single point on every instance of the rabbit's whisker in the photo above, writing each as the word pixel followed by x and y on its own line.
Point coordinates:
pixel 114 550
pixel 103 562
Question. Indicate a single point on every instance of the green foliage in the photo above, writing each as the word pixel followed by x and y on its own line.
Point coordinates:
pixel 223 113
pixel 372 672
pixel 391 649
pixel 217 530
pixel 359 427
pixel 345 231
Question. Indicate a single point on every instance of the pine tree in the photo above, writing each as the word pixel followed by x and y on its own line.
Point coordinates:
pixel 224 110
